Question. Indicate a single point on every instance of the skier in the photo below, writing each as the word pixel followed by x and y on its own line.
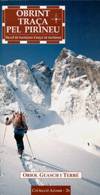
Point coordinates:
pixel 20 128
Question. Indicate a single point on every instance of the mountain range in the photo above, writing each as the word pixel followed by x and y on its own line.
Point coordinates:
pixel 71 88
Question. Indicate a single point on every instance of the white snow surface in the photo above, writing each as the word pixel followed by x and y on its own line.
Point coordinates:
pixel 57 148
pixel 10 167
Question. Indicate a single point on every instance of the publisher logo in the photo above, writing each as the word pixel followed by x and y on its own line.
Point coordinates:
pixel 51 190
pixel 33 24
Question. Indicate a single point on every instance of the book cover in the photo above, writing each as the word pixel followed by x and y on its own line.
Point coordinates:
pixel 49 97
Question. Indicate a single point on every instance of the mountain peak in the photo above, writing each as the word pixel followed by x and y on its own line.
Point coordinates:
pixel 65 53
pixel 18 62
pixel 42 74
pixel 39 66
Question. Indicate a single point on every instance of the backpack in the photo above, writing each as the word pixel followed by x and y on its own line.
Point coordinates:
pixel 19 121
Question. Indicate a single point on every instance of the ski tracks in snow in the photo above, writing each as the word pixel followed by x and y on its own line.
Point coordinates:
pixel 31 165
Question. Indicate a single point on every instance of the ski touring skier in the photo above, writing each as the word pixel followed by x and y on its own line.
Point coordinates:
pixel 20 128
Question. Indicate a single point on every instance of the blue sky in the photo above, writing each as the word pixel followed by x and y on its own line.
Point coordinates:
pixel 83 35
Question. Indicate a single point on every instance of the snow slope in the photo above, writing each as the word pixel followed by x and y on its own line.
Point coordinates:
pixel 10 167
pixel 52 154
pixel 19 91
pixel 67 157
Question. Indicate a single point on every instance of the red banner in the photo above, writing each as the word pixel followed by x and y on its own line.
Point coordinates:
pixel 36 24
pixel 51 190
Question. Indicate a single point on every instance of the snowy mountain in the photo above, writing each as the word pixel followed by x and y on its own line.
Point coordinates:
pixel 71 90
pixel 19 91
pixel 42 75
pixel 6 92
pixel 75 86
pixel 20 77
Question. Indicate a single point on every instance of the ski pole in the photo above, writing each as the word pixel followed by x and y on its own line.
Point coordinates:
pixel 4 134
pixel 29 144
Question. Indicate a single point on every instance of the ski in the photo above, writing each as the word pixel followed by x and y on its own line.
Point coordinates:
pixel 27 157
